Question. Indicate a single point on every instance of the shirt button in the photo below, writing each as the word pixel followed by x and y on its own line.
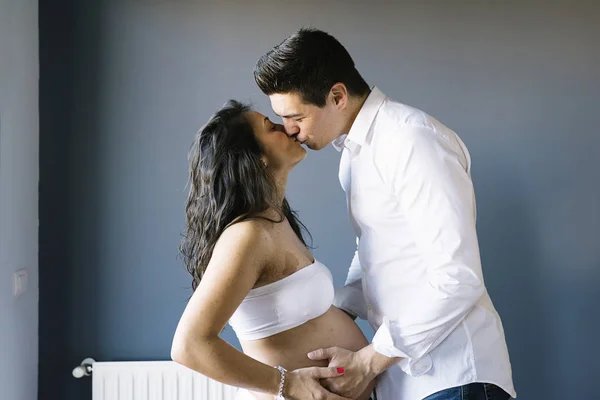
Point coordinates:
pixel 369 307
pixel 364 269
pixel 353 197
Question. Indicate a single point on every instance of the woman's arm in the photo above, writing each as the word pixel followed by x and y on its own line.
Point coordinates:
pixel 236 265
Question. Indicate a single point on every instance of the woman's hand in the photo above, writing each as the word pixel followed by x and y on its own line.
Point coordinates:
pixel 304 383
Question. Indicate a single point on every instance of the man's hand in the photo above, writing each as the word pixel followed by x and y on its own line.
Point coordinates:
pixel 357 374
pixel 304 384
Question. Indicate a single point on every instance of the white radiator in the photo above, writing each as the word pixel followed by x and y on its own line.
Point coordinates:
pixel 152 380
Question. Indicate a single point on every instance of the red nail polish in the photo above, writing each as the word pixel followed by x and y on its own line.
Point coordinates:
pixel 340 370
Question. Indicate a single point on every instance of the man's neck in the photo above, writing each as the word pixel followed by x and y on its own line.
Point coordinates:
pixel 355 104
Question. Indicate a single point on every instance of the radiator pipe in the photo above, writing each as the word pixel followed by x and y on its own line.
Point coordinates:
pixel 84 369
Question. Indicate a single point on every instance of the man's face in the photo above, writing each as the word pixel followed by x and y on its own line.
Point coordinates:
pixel 311 125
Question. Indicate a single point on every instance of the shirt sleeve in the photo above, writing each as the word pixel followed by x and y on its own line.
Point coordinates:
pixel 350 297
pixel 429 174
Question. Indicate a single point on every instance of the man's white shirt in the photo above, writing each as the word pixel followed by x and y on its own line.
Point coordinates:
pixel 416 275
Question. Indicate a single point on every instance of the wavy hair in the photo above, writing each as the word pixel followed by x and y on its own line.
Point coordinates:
pixel 228 183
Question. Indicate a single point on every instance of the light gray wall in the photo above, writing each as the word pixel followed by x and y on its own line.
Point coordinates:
pixel 18 197
pixel 518 81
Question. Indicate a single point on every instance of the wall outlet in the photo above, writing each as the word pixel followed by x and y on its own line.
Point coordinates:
pixel 19 282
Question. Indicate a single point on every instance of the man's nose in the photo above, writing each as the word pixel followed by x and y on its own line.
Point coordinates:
pixel 291 129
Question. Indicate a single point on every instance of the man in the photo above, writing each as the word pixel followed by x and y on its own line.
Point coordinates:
pixel 416 275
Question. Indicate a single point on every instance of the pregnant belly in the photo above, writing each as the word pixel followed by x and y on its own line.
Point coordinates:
pixel 290 348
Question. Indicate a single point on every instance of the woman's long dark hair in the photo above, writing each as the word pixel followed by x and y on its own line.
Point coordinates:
pixel 228 184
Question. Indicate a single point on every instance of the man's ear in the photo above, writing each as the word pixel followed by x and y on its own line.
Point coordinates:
pixel 339 95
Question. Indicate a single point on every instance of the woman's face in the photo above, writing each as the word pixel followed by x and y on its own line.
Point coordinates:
pixel 281 152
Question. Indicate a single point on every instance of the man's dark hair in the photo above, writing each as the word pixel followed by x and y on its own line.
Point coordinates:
pixel 309 63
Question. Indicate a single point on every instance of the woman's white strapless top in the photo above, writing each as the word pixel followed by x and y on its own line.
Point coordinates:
pixel 284 304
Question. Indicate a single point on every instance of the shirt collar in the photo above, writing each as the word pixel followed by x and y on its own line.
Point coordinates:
pixel 338 143
pixel 362 123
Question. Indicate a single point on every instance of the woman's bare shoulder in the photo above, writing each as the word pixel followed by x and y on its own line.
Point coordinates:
pixel 253 234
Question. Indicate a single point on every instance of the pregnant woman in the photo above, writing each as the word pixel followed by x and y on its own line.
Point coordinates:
pixel 251 267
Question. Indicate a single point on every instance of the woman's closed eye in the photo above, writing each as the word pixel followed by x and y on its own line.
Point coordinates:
pixel 276 127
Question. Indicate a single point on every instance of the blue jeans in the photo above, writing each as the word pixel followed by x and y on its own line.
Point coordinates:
pixel 472 391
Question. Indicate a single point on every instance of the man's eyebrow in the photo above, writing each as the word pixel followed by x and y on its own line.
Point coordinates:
pixel 290 115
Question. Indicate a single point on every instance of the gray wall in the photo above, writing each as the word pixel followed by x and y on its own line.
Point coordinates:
pixel 18 197
pixel 520 83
